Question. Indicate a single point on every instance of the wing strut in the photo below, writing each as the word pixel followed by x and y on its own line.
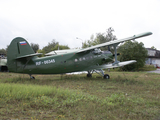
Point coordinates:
pixel 26 63
pixel 115 51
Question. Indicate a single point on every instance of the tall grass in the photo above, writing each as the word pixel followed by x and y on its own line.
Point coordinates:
pixel 20 91
pixel 30 92
pixel 52 95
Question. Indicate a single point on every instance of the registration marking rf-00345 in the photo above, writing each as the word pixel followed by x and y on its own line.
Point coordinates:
pixel 45 62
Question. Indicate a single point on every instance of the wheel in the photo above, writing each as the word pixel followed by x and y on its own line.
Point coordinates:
pixel 106 76
pixel 89 75
pixel 32 77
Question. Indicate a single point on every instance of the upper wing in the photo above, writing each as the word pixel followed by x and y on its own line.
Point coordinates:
pixel 115 42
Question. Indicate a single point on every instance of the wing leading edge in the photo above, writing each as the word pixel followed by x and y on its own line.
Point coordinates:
pixel 115 42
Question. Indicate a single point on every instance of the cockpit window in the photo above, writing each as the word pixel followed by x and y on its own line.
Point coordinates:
pixel 106 52
pixel 97 51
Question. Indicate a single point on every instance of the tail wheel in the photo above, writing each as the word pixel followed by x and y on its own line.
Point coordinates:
pixel 106 76
pixel 32 77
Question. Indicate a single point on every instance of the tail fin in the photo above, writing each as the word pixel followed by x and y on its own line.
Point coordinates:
pixel 17 48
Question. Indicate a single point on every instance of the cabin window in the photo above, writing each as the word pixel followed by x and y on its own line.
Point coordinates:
pixel 76 60
pixel 80 59
pixel 84 58
pixel 87 58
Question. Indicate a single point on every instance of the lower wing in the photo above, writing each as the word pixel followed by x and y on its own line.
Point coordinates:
pixel 105 66
pixel 120 64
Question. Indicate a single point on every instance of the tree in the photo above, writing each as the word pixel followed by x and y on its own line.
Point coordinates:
pixel 90 42
pixel 106 37
pixel 60 47
pixel 41 51
pixel 100 38
pixel 35 47
pixel 153 47
pixel 132 50
pixel 3 51
pixel 53 45
pixel 50 46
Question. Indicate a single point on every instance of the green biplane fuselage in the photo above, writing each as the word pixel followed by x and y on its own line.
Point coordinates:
pixel 58 64
pixel 22 59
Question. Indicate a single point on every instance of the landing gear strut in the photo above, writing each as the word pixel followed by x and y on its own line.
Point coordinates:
pixel 100 72
pixel 89 74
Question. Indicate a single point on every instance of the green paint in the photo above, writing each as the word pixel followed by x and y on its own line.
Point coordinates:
pixel 56 64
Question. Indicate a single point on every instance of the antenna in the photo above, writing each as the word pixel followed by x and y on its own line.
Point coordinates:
pixel 80 39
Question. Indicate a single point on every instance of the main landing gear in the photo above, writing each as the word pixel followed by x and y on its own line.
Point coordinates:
pixel 100 72
pixel 106 76
pixel 89 75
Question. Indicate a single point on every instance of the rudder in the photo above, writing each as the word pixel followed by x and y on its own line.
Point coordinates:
pixel 18 47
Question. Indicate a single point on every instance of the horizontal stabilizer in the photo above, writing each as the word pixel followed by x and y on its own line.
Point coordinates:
pixel 30 55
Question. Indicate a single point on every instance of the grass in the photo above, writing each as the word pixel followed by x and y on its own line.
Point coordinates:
pixel 147 68
pixel 126 95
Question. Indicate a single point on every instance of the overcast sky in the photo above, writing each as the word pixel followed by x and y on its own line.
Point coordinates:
pixel 41 21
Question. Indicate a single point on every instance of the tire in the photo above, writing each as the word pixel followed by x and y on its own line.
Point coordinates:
pixel 106 76
pixel 89 75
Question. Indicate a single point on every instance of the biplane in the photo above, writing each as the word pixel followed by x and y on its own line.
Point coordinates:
pixel 22 59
